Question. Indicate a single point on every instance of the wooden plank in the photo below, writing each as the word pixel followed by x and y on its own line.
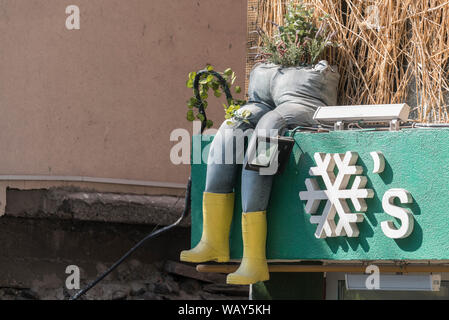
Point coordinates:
pixel 189 271
pixel 331 268
pixel 233 290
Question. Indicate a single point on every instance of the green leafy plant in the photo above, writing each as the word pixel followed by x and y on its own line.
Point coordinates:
pixel 299 41
pixel 208 81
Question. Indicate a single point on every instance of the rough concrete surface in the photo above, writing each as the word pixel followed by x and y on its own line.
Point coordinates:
pixel 44 231
pixel 87 205
pixel 132 281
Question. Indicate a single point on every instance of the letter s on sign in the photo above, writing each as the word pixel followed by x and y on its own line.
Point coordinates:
pixel 403 214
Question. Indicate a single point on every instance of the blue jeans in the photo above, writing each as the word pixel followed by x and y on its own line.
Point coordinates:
pixel 279 98
pixel 256 188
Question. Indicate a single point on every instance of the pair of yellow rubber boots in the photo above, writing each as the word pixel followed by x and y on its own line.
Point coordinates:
pixel 218 210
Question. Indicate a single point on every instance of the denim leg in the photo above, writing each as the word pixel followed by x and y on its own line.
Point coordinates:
pixel 297 115
pixel 227 150
pixel 256 188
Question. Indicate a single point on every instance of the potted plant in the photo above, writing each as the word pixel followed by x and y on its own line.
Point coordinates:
pixel 289 68
pixel 295 48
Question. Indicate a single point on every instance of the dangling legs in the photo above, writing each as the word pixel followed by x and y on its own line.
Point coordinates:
pixel 256 189
pixel 225 154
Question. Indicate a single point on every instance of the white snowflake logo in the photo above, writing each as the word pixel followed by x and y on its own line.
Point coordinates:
pixel 336 195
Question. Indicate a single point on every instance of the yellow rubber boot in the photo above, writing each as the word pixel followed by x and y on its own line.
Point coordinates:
pixel 218 209
pixel 253 267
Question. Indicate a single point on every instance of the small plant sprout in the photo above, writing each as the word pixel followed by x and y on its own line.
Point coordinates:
pixel 300 41
pixel 210 82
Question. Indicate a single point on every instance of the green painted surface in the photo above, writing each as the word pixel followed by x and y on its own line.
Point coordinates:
pixel 416 160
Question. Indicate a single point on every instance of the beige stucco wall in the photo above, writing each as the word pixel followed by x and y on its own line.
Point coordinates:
pixel 101 101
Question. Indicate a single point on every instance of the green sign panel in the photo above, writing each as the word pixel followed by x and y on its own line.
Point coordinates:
pixel 391 205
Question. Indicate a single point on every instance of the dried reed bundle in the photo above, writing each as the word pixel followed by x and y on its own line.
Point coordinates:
pixel 391 51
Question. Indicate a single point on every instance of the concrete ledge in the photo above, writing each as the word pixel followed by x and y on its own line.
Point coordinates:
pixel 75 204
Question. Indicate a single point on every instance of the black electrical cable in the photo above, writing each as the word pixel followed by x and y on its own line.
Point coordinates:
pixel 187 203
pixel 140 243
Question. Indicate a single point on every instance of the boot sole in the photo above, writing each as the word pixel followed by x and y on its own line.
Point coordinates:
pixel 215 259
pixel 236 282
